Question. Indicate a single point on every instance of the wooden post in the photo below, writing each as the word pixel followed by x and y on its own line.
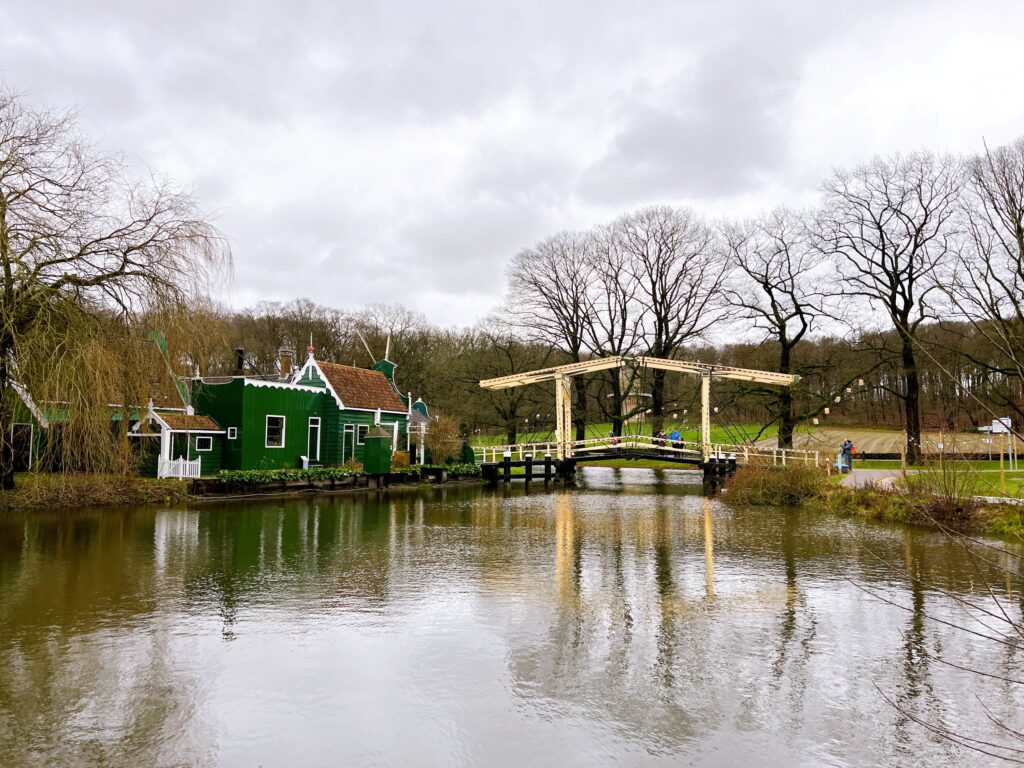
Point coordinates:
pixel 705 414
pixel 547 467
pixel 506 466
pixel 1002 473
pixel 563 415
pixel 529 467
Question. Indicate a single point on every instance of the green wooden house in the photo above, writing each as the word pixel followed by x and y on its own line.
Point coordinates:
pixel 317 414
pixel 321 414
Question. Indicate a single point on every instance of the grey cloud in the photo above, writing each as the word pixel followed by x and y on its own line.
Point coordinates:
pixel 357 152
pixel 719 128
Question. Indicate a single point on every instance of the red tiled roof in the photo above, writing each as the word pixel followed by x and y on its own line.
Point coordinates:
pixel 362 388
pixel 182 421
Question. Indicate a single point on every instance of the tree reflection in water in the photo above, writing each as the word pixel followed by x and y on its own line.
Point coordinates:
pixel 622 619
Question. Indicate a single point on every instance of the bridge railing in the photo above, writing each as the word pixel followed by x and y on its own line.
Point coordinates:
pixel 744 454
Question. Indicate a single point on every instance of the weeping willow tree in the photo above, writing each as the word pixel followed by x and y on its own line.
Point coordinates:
pixel 86 255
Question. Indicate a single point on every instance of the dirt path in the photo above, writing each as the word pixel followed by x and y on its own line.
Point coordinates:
pixel 867 440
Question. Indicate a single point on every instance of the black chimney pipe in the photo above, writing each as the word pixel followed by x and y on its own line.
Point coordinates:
pixel 239 360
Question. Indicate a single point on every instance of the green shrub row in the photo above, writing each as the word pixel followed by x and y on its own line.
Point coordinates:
pixel 245 476
pixel 279 475
pixel 463 470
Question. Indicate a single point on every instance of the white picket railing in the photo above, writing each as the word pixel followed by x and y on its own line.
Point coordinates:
pixel 742 453
pixel 180 467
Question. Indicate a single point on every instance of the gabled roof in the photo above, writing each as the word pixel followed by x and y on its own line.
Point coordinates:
pixel 185 422
pixel 362 388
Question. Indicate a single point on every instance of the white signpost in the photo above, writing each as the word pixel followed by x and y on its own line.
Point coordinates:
pixel 1004 426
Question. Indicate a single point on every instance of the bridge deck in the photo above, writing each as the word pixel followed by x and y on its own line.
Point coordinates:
pixel 646 447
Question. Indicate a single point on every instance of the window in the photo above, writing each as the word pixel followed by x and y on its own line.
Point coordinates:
pixel 232 433
pixel 204 443
pixel 361 431
pixel 275 432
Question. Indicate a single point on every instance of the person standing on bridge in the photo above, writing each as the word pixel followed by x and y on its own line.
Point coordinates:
pixel 676 438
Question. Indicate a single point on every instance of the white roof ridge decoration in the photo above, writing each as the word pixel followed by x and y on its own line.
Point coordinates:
pixel 311 361
pixel 280 385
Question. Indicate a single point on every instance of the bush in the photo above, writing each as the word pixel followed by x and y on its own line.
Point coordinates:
pixel 463 470
pixel 776 486
pixel 51 491
pixel 944 493
pixel 254 476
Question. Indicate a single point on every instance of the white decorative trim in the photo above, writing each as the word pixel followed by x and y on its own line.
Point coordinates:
pixel 232 433
pixel 378 410
pixel 312 363
pixel 203 437
pixel 26 398
pixel 281 385
pixel 154 416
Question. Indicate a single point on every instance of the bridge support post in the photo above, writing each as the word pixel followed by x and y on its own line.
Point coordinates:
pixel 563 416
pixel 506 467
pixel 705 414
pixel 528 463
pixel 547 467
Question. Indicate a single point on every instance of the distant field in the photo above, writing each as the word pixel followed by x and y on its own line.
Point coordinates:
pixel 876 440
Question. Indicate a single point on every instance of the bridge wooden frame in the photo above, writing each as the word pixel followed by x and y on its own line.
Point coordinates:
pixel 565 446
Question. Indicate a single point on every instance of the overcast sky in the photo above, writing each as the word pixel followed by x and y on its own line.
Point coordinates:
pixel 359 152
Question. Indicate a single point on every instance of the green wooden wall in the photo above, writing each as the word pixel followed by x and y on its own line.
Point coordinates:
pixel 246 406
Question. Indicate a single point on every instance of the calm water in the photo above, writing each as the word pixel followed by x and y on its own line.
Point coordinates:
pixel 627 621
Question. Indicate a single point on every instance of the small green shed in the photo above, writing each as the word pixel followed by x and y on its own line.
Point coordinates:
pixel 377 451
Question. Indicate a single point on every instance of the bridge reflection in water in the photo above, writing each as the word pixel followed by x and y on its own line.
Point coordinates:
pixel 628 618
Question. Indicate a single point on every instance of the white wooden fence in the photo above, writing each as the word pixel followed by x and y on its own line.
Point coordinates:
pixel 180 467
pixel 744 454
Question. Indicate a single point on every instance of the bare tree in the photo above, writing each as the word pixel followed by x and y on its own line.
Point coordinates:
pixel 77 237
pixel 491 351
pixel 778 293
pixel 549 296
pixel 987 284
pixel 672 256
pixel 613 317
pixel 889 225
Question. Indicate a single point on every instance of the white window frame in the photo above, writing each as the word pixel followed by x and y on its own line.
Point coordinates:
pixel 313 421
pixel 266 427
pixel 393 426
pixel 202 437
pixel 348 429
pixel 232 433
pixel 362 430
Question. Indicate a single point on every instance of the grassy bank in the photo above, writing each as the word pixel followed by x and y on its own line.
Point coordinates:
pixel 46 491
pixel 942 497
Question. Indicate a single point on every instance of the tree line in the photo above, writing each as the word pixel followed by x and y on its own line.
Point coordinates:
pixel 897 299
pixel 903 286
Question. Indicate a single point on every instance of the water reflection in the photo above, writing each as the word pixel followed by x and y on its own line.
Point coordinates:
pixel 630 618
